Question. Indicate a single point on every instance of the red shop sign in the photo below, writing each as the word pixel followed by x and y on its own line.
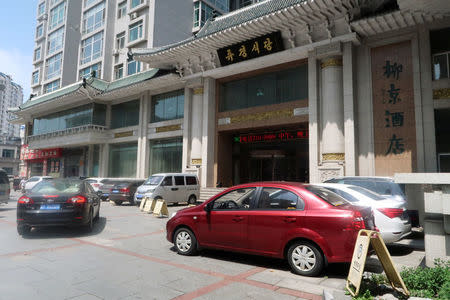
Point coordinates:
pixel 29 154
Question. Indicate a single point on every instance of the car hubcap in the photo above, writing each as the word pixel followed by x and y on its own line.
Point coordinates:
pixel 184 241
pixel 304 258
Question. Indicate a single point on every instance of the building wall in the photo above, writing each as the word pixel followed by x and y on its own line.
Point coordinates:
pixel 11 95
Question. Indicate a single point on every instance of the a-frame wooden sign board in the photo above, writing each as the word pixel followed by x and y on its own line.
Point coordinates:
pixel 366 237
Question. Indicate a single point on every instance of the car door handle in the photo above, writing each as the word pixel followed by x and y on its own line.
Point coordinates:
pixel 238 218
pixel 290 219
pixel 174 189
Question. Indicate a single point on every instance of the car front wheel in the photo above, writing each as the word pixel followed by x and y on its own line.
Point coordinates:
pixel 185 242
pixel 23 229
pixel 305 258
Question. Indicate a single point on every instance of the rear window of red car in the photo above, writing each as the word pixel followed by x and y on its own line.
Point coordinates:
pixel 326 195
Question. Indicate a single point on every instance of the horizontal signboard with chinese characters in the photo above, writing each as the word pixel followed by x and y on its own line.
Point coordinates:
pixel 29 154
pixel 278 136
pixel 260 46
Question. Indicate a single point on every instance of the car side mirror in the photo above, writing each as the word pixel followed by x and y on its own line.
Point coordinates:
pixel 208 207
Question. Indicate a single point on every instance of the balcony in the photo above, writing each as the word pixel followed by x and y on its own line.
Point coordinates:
pixel 71 137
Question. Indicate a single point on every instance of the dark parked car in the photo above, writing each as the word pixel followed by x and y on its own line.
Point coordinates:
pixel 123 191
pixel 307 224
pixel 105 189
pixel 58 202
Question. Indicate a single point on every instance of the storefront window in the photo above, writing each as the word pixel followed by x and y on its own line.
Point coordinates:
pixel 84 115
pixel 266 89
pixel 125 114
pixel 165 156
pixel 95 161
pixel 122 160
pixel 168 106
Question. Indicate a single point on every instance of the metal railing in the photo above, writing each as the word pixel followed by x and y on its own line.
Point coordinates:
pixel 441 68
pixel 68 131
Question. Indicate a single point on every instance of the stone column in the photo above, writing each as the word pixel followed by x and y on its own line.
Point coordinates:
pixel 142 155
pixel 332 118
pixel 196 123
pixel 349 110
pixel 103 160
pixel 313 108
pixel 90 160
pixel 187 129
pixel 208 176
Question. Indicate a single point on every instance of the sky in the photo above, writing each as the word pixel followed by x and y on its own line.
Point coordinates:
pixel 17 27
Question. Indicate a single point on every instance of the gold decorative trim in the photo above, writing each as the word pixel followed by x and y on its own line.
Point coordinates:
pixel 198 91
pixel 333 156
pixel 168 128
pixel 441 93
pixel 277 114
pixel 331 62
pixel 196 161
pixel 123 134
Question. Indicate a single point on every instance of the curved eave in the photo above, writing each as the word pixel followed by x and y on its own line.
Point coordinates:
pixel 301 14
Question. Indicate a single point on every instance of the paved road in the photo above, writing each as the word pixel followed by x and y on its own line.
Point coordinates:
pixel 128 257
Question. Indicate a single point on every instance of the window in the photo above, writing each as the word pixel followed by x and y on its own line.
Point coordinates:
pixel 165 155
pixel 135 3
pixel 7 153
pixel 326 195
pixel 275 198
pixel 89 2
pixel 39 31
pixel 179 180
pixel 135 31
pixel 343 194
pixel 221 4
pixel 123 160
pixel 133 67
pixel 191 180
pixel 94 18
pixel 53 66
pixel 118 71
pixel 87 72
pixel 167 181
pixel 37 54
pixel 168 106
pixel 91 48
pixel 41 8
pixel 237 199
pixel 120 40
pixel 265 89
pixel 55 41
pixel 52 86
pixel 122 9
pixel 125 114
pixel 57 15
pixel 202 12
pixel 35 78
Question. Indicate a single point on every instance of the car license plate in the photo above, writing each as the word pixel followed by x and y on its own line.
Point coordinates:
pixel 49 206
pixel 2 192
pixel 138 196
pixel 115 191
pixel 105 195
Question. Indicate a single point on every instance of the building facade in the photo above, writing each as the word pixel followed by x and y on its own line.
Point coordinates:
pixel 10 155
pixel 11 95
pixel 278 90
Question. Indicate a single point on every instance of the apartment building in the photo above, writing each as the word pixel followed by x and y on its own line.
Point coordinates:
pixel 11 95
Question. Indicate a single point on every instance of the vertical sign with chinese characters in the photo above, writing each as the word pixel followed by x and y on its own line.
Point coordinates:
pixel 393 109
pixel 260 46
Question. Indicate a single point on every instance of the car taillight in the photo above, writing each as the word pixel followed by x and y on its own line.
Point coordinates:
pixel 96 185
pixel 9 191
pixel 77 200
pixel 125 190
pixel 391 212
pixel 25 200
pixel 357 222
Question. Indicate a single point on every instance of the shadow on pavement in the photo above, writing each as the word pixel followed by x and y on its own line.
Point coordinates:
pixel 66 232
pixel 7 208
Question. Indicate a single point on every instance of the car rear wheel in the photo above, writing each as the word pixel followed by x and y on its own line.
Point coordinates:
pixel 192 199
pixel 90 224
pixel 305 258
pixel 185 242
pixel 23 229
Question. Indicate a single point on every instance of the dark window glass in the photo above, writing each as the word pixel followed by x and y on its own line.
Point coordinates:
pixel 125 114
pixel 8 153
pixel 123 160
pixel 167 181
pixel 274 198
pixel 237 199
pixel 168 106
pixel 326 195
pixel 191 180
pixel 344 195
pixel 165 156
pixel 179 180
pixel 4 178
pixel 57 186
pixel 266 89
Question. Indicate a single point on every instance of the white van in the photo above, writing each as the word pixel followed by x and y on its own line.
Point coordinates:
pixel 172 187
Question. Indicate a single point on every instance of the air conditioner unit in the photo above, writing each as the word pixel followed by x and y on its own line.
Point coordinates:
pixel 133 15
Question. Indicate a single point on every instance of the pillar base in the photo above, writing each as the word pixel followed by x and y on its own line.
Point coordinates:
pixel 330 170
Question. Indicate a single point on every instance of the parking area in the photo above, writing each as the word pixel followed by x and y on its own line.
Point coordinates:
pixel 127 257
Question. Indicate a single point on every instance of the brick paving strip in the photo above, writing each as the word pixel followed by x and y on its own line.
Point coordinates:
pixel 227 279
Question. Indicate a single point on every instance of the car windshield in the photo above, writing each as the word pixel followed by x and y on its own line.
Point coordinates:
pixel 388 188
pixel 326 195
pixel 153 180
pixel 57 186
pixel 366 192
pixel 91 180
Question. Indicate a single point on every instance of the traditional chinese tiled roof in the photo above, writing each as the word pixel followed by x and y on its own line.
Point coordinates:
pixel 230 20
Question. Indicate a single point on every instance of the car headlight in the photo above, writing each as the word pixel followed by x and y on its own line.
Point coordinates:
pixel 173 215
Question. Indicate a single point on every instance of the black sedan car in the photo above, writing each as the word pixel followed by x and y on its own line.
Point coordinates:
pixel 60 202
pixel 123 191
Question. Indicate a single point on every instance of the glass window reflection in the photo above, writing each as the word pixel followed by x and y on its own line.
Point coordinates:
pixel 168 106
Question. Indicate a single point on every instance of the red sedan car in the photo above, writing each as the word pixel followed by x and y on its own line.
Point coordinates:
pixel 307 224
